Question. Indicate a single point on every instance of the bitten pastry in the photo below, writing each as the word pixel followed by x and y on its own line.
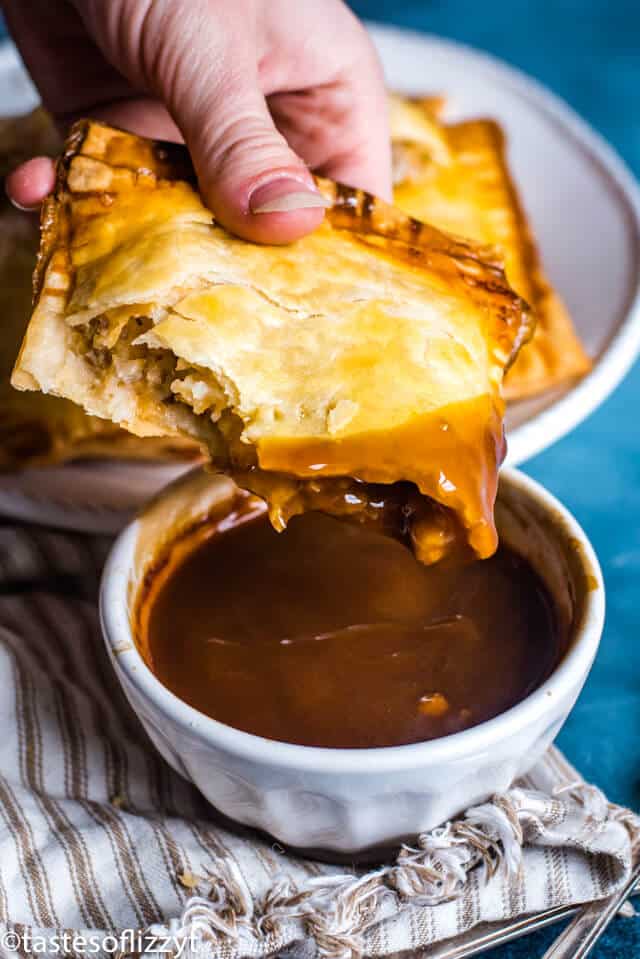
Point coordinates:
pixel 357 370
pixel 36 429
pixel 456 177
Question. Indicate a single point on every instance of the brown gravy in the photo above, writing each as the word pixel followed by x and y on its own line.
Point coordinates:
pixel 330 634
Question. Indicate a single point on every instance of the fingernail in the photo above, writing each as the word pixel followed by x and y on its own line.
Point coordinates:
pixel 24 209
pixel 284 195
pixel 19 206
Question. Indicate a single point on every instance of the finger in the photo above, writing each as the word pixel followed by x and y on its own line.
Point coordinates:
pixel 334 142
pixel 31 182
pixel 207 76
pixel 249 176
pixel 336 118
pixel 366 160
pixel 342 130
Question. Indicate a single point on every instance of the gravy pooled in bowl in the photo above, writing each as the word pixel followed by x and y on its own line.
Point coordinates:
pixel 330 634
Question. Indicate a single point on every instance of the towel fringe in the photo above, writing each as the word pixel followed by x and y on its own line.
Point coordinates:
pixel 336 911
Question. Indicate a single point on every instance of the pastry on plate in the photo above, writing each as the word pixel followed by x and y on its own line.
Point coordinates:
pixel 36 428
pixel 357 370
pixel 455 176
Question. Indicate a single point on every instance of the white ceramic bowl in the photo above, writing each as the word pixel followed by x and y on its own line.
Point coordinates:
pixel 350 800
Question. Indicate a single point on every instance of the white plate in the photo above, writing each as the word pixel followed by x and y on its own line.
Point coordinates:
pixel 583 203
pixel 93 497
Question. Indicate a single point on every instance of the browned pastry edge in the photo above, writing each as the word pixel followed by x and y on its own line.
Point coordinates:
pixel 479 268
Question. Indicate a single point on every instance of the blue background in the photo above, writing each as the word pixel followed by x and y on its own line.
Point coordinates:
pixel 588 51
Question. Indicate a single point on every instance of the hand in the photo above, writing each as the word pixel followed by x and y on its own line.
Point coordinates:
pixel 261 91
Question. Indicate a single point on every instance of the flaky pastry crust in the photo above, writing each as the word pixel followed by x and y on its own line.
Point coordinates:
pixel 372 350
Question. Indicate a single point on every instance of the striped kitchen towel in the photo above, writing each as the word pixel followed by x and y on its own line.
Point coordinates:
pixel 99 838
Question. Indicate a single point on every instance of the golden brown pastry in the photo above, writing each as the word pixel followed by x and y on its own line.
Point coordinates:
pixel 362 363
pixel 36 428
pixel 456 177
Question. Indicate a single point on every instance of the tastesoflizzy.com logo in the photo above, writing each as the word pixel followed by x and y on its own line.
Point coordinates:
pixel 129 942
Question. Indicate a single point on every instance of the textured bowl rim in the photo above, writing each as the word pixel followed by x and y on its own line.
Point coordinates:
pixel 567 676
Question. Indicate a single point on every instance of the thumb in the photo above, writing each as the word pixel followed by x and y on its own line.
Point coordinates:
pixel 196 57
pixel 249 177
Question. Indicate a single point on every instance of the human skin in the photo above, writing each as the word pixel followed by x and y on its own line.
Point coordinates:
pixel 261 91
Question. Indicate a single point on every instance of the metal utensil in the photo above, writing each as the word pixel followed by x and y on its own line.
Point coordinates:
pixel 490 935
pixel 582 933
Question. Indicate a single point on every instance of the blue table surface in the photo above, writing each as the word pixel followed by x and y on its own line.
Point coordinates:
pixel 588 51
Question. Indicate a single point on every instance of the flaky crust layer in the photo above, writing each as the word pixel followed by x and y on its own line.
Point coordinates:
pixel 378 342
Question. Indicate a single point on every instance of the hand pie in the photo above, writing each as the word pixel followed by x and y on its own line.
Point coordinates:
pixel 456 177
pixel 35 428
pixel 357 370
